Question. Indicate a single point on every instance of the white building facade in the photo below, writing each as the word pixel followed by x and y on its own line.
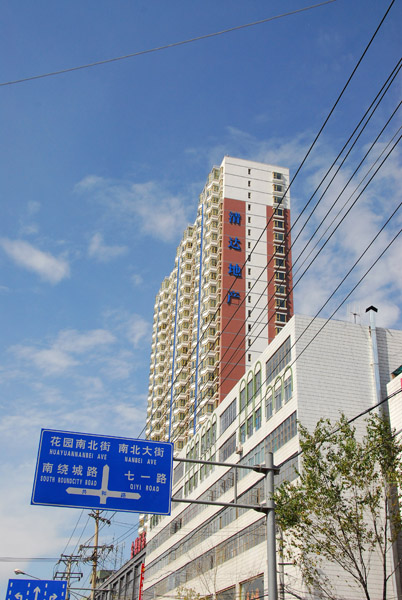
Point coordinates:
pixel 312 369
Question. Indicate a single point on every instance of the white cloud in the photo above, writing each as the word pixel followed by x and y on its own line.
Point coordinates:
pixel 156 212
pixel 51 361
pixel 135 278
pixel 103 253
pixel 138 330
pixel 71 340
pixel 48 267
pixel 62 353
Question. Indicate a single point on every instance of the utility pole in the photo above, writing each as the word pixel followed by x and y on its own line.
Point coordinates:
pixel 95 554
pixel 95 549
pixel 67 575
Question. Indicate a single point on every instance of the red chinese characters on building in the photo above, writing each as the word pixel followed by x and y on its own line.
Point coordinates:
pixel 139 543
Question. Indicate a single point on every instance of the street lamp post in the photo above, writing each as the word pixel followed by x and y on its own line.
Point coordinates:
pixel 19 572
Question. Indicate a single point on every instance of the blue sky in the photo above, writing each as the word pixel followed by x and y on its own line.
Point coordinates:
pixel 101 170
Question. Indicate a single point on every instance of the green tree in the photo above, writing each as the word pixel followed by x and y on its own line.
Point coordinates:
pixel 343 508
pixel 184 593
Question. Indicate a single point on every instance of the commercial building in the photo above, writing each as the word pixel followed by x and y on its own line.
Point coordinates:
pixel 311 369
pixel 228 296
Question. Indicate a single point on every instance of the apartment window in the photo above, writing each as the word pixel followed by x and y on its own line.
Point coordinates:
pixel 278 361
pixel 279 212
pixel 249 195
pixel 277 187
pixel 282 434
pixel 279 262
pixel 249 285
pixel 248 244
pixel 249 313
pixel 248 219
pixel 277 175
pixel 258 418
pixel 287 388
pixel 280 289
pixel 277 199
pixel 249 184
pixel 249 358
pixel 281 318
pixel 248 271
pixel 279 236
pixel 227 448
pixel 280 275
pixel 279 224
pixel 280 303
pixel 242 433
pixel 248 231
pixel 242 399
pixel 248 206
pixel 278 397
pixel 257 382
pixel 250 391
pixel 228 416
pixel 249 171
pixel 249 327
pixel 279 250
pixel 268 405
pixel 250 426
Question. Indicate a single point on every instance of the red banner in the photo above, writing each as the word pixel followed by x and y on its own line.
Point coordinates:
pixel 141 581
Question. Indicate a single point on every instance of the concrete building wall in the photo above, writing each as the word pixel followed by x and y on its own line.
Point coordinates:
pixel 212 549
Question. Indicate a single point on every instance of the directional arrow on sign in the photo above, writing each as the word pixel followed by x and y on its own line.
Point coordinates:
pixel 53 597
pixel 18 596
pixel 36 592
pixel 104 493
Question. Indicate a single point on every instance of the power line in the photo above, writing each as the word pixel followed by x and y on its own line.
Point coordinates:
pixel 166 46
pixel 294 177
pixel 354 265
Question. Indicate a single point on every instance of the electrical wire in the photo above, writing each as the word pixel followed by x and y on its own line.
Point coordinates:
pixel 166 46
pixel 299 168
pixel 321 129
pixel 343 218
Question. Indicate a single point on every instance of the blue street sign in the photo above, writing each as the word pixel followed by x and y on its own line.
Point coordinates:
pixel 26 589
pixel 81 470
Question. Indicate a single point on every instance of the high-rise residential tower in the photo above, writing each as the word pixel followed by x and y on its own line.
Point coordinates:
pixel 229 294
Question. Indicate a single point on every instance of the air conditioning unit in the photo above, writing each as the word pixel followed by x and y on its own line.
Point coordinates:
pixel 239 449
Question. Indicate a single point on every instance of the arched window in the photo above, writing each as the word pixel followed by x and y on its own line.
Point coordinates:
pixel 288 385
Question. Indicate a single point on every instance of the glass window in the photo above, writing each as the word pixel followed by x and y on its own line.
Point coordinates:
pixel 278 398
pixel 250 391
pixel 258 418
pixel 242 399
pixel 228 415
pixel 242 433
pixel 227 448
pixel 250 426
pixel 287 388
pixel 268 404
pixel 257 383
pixel 278 360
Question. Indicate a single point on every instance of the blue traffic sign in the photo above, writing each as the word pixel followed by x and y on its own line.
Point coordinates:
pixel 26 589
pixel 81 470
